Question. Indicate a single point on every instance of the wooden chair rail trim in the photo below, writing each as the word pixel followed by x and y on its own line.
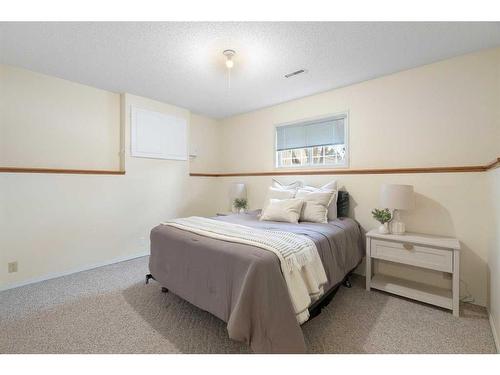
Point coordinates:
pixel 292 172
pixel 493 164
pixel 295 172
pixel 58 171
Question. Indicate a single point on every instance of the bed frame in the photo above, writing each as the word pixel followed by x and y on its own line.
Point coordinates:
pixel 316 307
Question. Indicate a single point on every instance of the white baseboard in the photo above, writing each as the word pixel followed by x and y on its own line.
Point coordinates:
pixel 493 329
pixel 75 270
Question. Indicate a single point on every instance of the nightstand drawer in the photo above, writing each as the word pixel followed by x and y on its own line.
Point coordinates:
pixel 415 255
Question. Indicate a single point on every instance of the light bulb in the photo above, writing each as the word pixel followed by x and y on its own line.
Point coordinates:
pixel 229 53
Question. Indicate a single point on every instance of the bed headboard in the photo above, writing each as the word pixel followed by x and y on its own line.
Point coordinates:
pixel 343 204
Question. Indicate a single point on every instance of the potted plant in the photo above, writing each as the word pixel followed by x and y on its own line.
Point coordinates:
pixel 383 217
pixel 240 204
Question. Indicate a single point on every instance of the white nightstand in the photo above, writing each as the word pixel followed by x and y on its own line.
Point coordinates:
pixel 420 250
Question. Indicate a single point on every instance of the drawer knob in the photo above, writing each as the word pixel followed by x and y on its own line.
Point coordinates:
pixel 408 246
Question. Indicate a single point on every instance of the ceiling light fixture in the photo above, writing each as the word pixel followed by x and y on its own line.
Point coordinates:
pixel 229 53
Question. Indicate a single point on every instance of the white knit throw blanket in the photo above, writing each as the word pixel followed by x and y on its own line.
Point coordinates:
pixel 300 263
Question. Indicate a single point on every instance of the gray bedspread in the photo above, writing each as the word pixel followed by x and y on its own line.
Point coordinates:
pixel 242 284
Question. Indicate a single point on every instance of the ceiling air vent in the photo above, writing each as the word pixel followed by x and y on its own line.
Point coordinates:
pixel 295 73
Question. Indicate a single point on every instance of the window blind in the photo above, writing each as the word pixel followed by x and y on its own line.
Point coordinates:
pixel 311 134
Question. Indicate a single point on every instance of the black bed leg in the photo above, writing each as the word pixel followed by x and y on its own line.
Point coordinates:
pixel 347 282
pixel 164 290
pixel 148 277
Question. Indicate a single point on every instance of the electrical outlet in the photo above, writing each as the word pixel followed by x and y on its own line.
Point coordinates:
pixel 12 267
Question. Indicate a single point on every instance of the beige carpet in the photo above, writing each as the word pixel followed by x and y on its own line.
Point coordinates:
pixel 111 310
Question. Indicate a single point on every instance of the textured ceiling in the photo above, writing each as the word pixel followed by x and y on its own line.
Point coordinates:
pixel 182 63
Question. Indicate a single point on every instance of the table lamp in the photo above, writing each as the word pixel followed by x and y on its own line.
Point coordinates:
pixel 238 190
pixel 397 197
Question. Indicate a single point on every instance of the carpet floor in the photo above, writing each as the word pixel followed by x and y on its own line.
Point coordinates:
pixel 110 310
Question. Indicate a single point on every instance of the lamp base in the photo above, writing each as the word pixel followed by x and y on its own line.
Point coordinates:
pixel 398 227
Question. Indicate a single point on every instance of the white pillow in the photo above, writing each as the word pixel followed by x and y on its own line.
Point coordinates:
pixel 331 186
pixel 276 193
pixel 315 208
pixel 287 210
pixel 292 186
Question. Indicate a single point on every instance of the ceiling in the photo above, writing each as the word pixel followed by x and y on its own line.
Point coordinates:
pixel 182 63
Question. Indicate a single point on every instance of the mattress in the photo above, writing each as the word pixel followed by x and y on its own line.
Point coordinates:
pixel 242 284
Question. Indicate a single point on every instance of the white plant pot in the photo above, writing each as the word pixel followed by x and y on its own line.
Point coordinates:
pixel 384 228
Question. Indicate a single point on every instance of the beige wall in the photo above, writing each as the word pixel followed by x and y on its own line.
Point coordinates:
pixel 442 114
pixel 54 123
pixel 494 242
pixel 54 224
pixel 205 141
pixel 494 254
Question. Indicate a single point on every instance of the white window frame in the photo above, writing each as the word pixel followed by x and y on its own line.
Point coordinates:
pixel 345 164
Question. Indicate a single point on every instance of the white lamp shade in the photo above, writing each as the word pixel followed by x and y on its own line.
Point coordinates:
pixel 238 191
pixel 400 197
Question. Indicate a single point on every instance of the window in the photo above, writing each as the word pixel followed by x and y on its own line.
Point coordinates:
pixel 314 143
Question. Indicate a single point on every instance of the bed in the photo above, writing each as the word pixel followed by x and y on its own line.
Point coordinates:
pixel 243 284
